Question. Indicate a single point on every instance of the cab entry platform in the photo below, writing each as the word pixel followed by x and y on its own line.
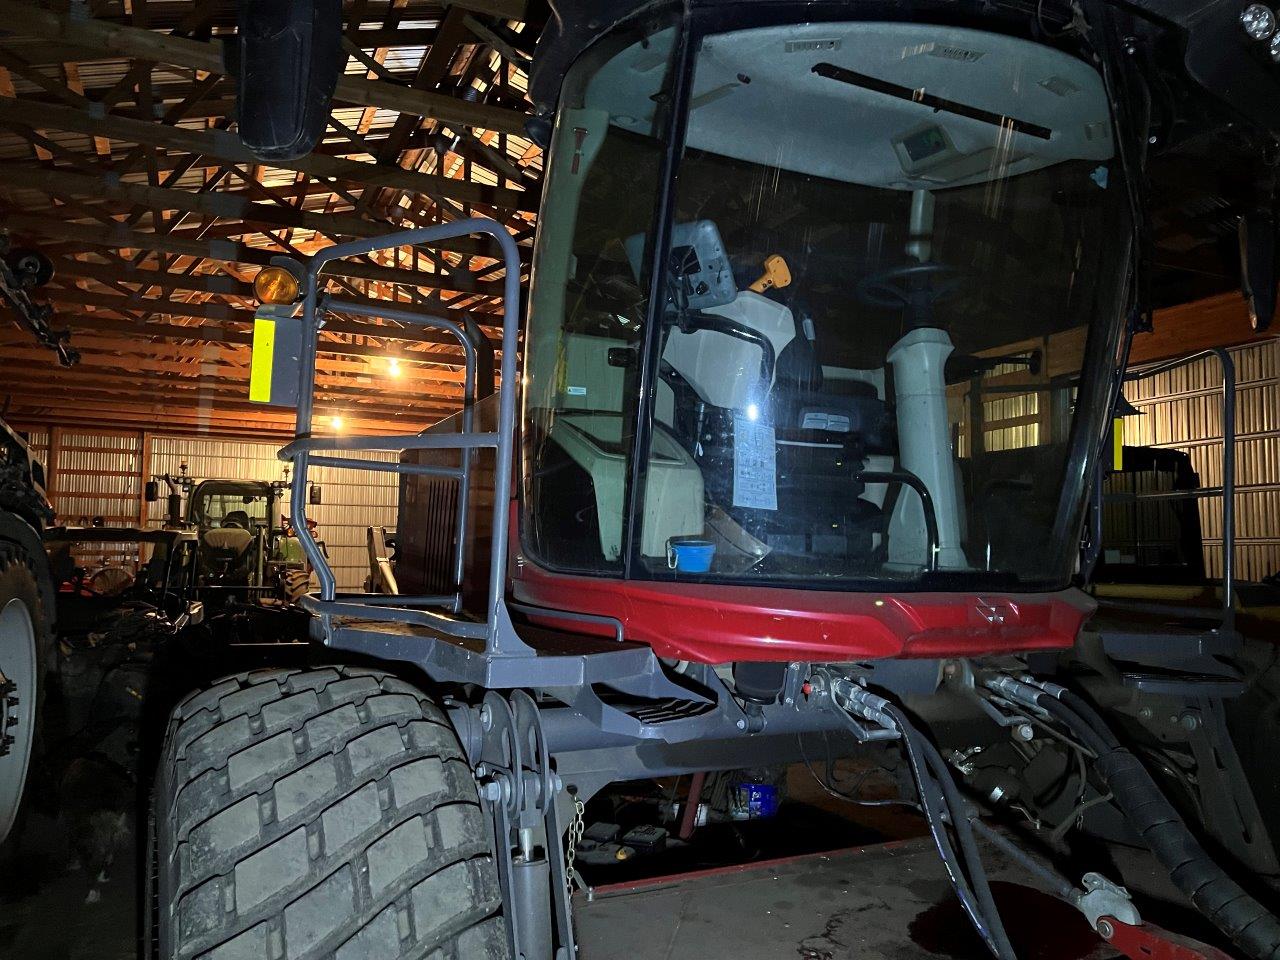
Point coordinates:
pixel 888 901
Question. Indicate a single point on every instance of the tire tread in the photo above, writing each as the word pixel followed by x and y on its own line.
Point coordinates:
pixel 321 815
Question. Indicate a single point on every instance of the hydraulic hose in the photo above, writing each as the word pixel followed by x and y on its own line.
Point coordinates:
pixel 962 823
pixel 1249 925
pixel 940 802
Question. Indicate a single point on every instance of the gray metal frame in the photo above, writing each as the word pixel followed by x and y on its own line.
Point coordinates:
pixel 433 632
pixel 1228 489
pixel 308 449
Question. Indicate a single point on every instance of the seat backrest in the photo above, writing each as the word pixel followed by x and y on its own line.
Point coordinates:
pixel 224 547
pixel 236 518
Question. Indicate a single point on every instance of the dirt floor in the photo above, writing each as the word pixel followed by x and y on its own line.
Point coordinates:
pixel 52 920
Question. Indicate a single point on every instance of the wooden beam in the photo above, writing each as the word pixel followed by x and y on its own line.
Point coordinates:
pixel 166 418
pixel 97 38
pixel 418 365
pixel 1221 321
pixel 446 351
pixel 64 267
pixel 145 377
pixel 227 147
pixel 226 251
pixel 210 310
pixel 434 67
pixel 210 365
pixel 229 206
pixel 163 421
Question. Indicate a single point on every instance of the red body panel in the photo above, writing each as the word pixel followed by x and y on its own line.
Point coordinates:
pixel 718 624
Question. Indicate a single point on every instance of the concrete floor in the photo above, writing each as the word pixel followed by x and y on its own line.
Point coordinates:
pixel 52 921
pixel 890 901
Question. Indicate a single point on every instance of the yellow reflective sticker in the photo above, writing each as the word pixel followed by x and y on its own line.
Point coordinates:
pixel 264 348
pixel 1117 443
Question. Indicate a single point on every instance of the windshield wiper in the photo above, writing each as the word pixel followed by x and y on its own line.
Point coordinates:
pixel 920 95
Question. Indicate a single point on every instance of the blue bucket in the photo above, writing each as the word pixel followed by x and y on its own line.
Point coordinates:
pixel 690 554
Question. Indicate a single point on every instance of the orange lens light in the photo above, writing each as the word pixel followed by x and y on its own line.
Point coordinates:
pixel 275 285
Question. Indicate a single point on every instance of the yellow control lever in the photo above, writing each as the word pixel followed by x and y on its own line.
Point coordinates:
pixel 776 274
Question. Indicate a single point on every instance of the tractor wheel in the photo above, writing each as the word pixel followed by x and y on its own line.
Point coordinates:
pixel 321 814
pixel 26 650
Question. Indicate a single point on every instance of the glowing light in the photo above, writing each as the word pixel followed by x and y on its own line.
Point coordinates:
pixel 1259 22
pixel 879 603
pixel 275 285
pixel 753 412
pixel 335 422
pixel 394 367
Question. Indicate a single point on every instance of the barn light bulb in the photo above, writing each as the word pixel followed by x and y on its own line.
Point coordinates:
pixel 335 422
pixel 394 367
pixel 1259 21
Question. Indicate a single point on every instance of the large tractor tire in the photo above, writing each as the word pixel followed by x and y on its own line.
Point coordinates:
pixel 26 652
pixel 321 815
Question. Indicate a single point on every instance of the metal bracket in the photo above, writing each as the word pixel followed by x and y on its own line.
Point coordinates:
pixel 519 789
pixel 1103 898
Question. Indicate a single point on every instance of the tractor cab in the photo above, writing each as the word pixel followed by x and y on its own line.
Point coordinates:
pixel 246 545
pixel 823 303
pixel 238 522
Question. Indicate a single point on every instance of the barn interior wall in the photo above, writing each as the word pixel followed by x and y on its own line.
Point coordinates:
pixel 102 474
pixel 1182 409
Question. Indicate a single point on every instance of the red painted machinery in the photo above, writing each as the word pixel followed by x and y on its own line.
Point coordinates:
pixel 829 311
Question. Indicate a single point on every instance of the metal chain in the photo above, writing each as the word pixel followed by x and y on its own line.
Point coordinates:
pixel 577 827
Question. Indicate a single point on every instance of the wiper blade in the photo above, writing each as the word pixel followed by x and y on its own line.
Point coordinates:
pixel 920 95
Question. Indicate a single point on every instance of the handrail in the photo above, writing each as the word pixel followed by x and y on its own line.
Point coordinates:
pixel 909 479
pixel 305 449
pixel 1228 462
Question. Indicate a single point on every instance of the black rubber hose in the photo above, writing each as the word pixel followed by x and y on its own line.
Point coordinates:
pixel 1090 716
pixel 1250 925
pixel 962 824
pixel 980 908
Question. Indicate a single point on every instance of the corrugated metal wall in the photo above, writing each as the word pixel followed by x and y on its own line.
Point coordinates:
pixel 352 501
pixel 94 475
pixel 1182 409
pixel 101 475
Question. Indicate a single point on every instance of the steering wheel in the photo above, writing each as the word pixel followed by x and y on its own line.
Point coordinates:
pixel 911 286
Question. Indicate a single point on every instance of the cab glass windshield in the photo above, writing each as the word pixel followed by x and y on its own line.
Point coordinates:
pixel 866 339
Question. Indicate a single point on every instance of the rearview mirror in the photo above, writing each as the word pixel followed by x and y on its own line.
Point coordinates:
pixel 151 492
pixel 1258 266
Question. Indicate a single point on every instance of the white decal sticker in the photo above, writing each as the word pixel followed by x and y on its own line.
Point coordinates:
pixel 755 464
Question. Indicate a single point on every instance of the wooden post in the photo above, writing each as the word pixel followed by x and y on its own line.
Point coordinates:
pixel 51 467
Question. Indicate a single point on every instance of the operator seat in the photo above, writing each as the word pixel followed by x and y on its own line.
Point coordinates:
pixel 824 433
pixel 224 549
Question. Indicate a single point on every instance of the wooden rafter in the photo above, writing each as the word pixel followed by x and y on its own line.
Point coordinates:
pixel 123 164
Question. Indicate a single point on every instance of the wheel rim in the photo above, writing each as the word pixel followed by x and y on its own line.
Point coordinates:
pixel 17 706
